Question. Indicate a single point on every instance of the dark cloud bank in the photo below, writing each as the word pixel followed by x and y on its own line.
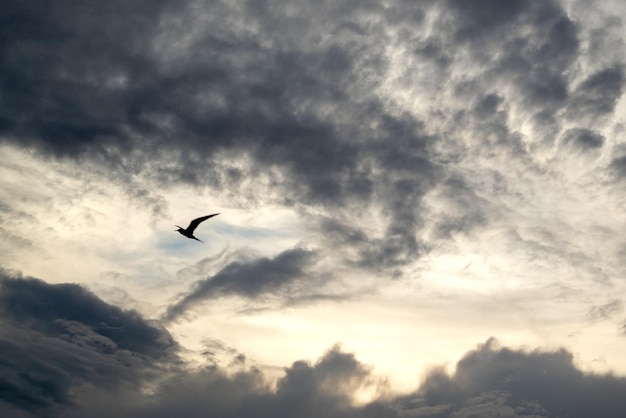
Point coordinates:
pixel 169 89
pixel 55 338
pixel 64 352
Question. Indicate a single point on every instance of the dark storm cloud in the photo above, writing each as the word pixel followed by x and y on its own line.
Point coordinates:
pixel 247 279
pixel 57 338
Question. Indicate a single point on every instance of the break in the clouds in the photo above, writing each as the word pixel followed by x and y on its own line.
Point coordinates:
pixel 447 170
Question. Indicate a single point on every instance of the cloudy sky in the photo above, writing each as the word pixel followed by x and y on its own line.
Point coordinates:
pixel 422 208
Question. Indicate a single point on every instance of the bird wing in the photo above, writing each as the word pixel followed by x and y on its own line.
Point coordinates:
pixel 194 224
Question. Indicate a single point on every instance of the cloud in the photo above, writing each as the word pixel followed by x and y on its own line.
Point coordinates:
pixel 535 62
pixel 78 73
pixel 306 390
pixel 606 311
pixel 505 382
pixel 58 338
pixel 488 381
pixel 582 139
pixel 257 103
pixel 256 99
pixel 618 167
pixel 65 352
pixel 597 95
pixel 174 102
pixel 247 279
pixel 390 129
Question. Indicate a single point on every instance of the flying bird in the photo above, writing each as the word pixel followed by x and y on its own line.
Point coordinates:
pixel 188 232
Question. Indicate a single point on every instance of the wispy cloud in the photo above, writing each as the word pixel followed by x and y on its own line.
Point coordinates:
pixel 247 279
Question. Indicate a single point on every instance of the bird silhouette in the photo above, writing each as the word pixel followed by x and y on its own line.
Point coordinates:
pixel 188 232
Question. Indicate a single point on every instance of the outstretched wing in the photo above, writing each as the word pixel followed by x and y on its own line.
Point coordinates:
pixel 194 224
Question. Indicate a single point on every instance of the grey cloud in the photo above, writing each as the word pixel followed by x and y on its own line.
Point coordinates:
pixel 582 139
pixel 162 89
pixel 341 231
pixel 41 380
pixel 247 279
pixel 618 167
pixel 495 25
pixel 482 16
pixel 488 381
pixel 306 390
pixel 545 128
pixel 257 82
pixel 605 311
pixel 598 94
pixel 213 348
pixel 323 388
pixel 511 61
pixel 493 381
pixel 606 42
pixel 358 249
pixel 464 209
pixel 57 338
pixel 63 65
pixel 286 96
pixel 487 105
pixel 155 203
pixel 525 46
pixel 50 308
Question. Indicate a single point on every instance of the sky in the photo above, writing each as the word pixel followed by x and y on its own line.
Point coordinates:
pixel 421 208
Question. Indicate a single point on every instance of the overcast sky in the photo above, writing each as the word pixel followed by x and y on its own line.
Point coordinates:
pixel 422 208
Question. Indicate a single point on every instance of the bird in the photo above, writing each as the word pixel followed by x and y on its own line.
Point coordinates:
pixel 188 232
